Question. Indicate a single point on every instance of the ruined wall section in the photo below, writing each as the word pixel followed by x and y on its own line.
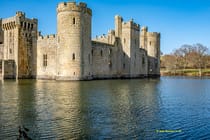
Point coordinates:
pixel 46 57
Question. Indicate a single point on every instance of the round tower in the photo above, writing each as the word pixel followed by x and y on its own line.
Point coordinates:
pixel 74 59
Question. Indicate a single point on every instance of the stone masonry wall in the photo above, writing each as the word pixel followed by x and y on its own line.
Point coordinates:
pixel 46 46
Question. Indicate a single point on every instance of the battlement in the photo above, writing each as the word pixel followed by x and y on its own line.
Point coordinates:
pixel 144 29
pixel 131 24
pixel 52 36
pixel 73 6
pixel 112 32
pixel 157 34
pixel 20 14
pixel 101 36
pixel 118 17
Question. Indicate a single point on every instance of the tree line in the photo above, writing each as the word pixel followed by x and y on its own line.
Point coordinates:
pixel 187 57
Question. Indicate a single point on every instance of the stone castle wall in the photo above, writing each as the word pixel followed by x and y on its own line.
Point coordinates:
pixel 126 52
pixel 20 44
pixel 150 41
pixel 46 57
pixel 104 60
pixel 1 33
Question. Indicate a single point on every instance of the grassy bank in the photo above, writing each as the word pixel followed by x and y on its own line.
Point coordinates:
pixel 186 72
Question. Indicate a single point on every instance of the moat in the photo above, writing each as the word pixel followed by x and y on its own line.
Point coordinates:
pixel 165 108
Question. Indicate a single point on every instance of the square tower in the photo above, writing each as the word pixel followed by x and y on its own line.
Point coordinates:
pixel 19 53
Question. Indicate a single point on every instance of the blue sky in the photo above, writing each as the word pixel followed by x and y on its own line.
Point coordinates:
pixel 179 21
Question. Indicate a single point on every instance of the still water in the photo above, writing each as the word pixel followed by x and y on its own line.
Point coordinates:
pixel 165 108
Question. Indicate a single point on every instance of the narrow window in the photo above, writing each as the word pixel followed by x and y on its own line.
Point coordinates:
pixel 110 64
pixel 32 26
pixel 124 66
pixel 110 51
pixel 28 26
pixel 124 55
pixel 74 20
pixel 150 43
pixel 24 25
pixel 124 40
pixel 143 60
pixel 92 52
pixel 10 51
pixel 101 53
pixel 45 60
pixel 89 58
pixel 73 56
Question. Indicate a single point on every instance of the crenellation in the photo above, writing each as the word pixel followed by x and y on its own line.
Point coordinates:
pixel 20 14
pixel 153 34
pixel 73 6
pixel 71 54
pixel 131 24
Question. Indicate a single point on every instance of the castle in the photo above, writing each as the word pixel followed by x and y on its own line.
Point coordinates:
pixel 125 52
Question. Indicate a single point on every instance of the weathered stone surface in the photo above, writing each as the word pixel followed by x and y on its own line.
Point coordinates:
pixel 19 45
pixel 126 52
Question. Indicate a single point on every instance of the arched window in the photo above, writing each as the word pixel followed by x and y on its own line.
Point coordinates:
pixel 73 56
pixel 74 20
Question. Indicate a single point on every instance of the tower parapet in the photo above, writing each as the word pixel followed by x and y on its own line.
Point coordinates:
pixel 132 25
pixel 72 6
pixel 153 44
pixel 20 14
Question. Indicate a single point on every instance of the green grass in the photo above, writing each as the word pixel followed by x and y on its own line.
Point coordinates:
pixel 186 72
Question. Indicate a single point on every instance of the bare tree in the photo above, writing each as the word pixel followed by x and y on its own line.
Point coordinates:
pixel 193 56
pixel 199 54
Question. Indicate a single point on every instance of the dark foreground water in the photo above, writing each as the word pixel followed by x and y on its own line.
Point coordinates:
pixel 165 108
